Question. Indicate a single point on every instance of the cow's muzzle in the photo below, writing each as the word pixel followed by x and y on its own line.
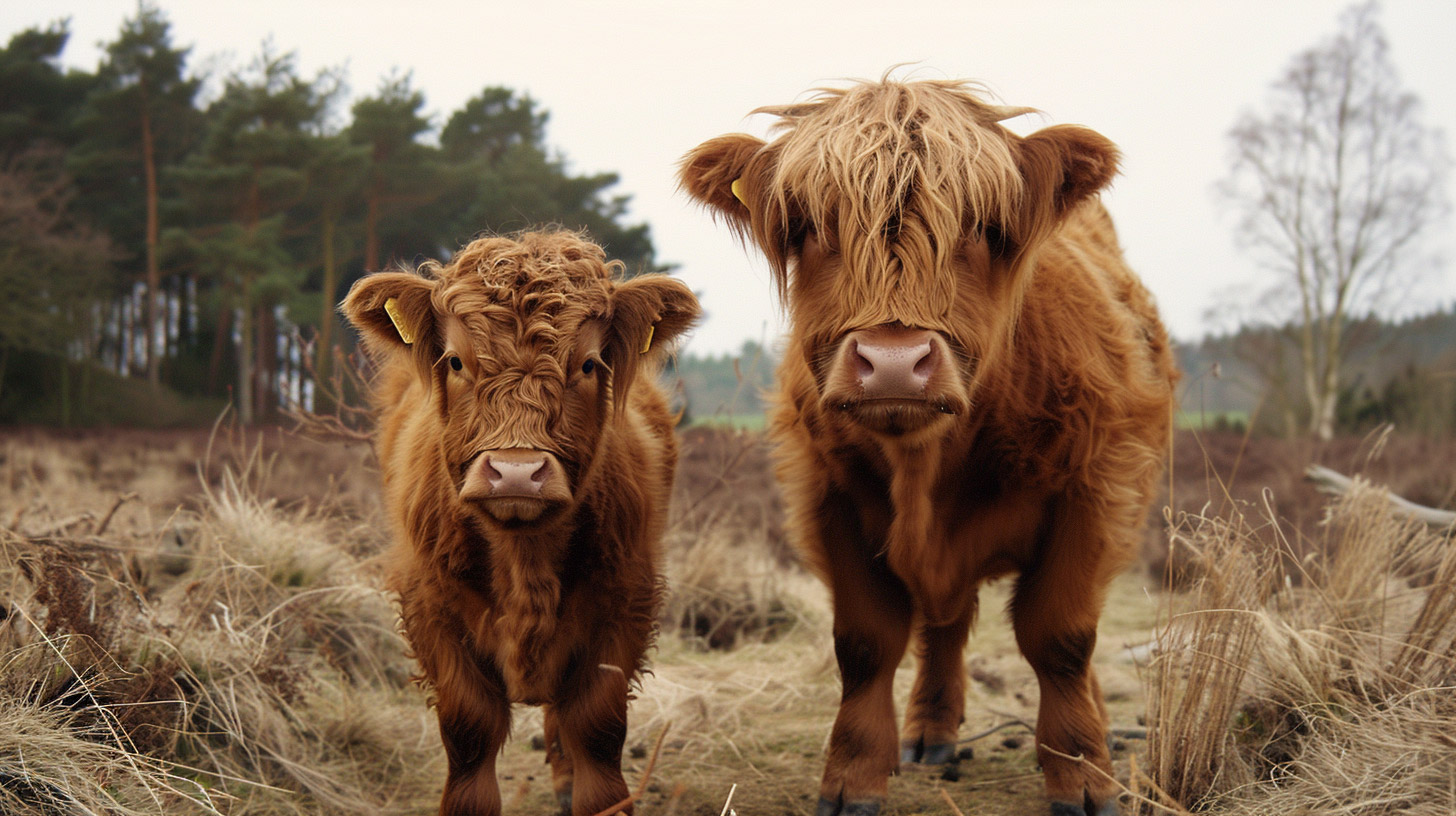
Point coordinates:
pixel 894 379
pixel 515 484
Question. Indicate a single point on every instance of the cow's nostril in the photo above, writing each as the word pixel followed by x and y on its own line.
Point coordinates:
pixel 925 366
pixel 863 366
pixel 541 472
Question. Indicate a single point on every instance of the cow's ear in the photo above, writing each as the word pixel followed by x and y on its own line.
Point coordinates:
pixel 392 311
pixel 649 314
pixel 1061 166
pixel 733 176
pixel 722 175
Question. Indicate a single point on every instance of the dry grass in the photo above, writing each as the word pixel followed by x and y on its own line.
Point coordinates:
pixel 222 646
pixel 219 643
pixel 727 588
pixel 1324 683
pixel 236 659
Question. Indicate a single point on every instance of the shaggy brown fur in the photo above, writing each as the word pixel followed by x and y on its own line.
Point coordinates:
pixel 902 219
pixel 536 582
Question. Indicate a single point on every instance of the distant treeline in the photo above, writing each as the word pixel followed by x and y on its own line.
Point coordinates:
pixel 1401 372
pixel 200 246
pixel 725 388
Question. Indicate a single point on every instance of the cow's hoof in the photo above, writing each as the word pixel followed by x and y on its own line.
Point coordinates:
pixel 1087 808
pixel 563 802
pixel 860 807
pixel 938 754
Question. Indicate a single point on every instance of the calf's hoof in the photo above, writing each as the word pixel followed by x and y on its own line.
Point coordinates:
pixel 942 753
pixel 563 802
pixel 1086 808
pixel 856 807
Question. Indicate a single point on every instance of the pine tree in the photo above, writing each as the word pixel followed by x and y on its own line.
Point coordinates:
pixel 250 171
pixel 404 175
pixel 511 180
pixel 139 118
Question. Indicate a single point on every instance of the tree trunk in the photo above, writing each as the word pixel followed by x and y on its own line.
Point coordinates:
pixel 266 368
pixel 220 338
pixel 149 161
pixel 371 235
pixel 124 361
pixel 65 393
pixel 324 341
pixel 245 366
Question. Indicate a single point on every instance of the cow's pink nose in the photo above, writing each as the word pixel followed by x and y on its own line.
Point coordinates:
pixel 516 472
pixel 893 364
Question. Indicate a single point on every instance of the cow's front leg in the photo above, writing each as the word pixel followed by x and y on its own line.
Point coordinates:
pixel 591 724
pixel 872 613
pixel 556 756
pixel 938 700
pixel 470 703
pixel 475 719
pixel 1055 611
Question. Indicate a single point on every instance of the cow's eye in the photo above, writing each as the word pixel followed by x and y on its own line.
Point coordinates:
pixel 589 366
pixel 456 364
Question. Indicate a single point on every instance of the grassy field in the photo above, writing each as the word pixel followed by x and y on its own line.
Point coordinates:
pixel 195 624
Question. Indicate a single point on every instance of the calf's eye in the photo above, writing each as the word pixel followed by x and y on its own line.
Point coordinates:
pixel 456 364
pixel 589 366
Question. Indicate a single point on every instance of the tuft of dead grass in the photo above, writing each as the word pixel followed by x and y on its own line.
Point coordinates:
pixel 240 659
pixel 1318 683
pixel 727 588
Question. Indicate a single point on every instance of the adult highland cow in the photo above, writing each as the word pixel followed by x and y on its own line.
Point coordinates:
pixel 975 385
pixel 527 458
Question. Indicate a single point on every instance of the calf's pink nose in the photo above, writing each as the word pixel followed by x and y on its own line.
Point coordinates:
pixel 516 472
pixel 894 366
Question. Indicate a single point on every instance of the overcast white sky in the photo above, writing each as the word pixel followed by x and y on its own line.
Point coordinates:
pixel 631 85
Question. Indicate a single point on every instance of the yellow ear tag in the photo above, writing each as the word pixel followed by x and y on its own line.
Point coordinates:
pixel 737 188
pixel 391 308
pixel 651 330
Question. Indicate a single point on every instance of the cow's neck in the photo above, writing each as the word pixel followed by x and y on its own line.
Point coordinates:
pixel 917 549
pixel 526 583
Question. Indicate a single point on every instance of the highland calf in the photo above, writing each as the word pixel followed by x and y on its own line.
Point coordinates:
pixel 975 385
pixel 527 457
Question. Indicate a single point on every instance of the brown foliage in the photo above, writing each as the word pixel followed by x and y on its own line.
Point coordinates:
pixel 1262 479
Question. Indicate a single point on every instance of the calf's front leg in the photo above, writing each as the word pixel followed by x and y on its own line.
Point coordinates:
pixel 591 724
pixel 475 719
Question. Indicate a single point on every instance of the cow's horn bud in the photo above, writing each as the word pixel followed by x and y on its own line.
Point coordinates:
pixel 1000 113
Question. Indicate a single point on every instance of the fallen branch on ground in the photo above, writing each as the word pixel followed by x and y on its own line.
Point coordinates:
pixel 1337 484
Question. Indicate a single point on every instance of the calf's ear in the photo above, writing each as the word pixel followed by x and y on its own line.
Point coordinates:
pixel 392 311
pixel 1062 166
pixel 649 313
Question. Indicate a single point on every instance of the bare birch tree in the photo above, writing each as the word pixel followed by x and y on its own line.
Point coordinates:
pixel 1335 180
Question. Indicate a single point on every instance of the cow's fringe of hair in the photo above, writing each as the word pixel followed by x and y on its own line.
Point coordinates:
pixel 893 170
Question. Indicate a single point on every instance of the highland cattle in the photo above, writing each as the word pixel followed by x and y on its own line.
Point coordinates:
pixel 975 385
pixel 527 457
